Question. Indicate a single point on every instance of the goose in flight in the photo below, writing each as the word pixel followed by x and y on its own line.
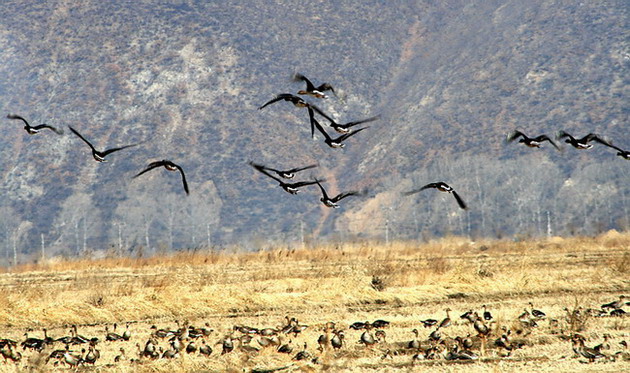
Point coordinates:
pixel 99 156
pixel 169 166
pixel 532 142
pixel 35 129
pixel 582 143
pixel 292 188
pixel 625 154
pixel 295 100
pixel 442 187
pixel 311 90
pixel 333 143
pixel 332 202
pixel 285 174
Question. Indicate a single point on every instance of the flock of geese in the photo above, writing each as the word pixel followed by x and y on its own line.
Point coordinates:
pixel 345 131
pixel 484 339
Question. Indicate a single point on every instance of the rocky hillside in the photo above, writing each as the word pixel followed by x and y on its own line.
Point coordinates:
pixel 185 81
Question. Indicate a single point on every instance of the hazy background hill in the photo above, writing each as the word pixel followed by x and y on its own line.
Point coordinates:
pixel 450 81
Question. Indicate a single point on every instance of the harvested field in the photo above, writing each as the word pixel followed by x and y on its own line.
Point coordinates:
pixel 402 283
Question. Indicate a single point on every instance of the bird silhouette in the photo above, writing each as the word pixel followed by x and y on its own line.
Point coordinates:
pixel 35 129
pixel 292 188
pixel 332 202
pixel 311 90
pixel 98 155
pixel 169 166
pixel 442 187
pixel 532 142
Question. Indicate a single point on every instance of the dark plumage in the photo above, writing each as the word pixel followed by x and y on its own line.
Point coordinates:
pixel 332 202
pixel 291 188
pixel 625 154
pixel 295 100
pixel 99 156
pixel 442 187
pixel 532 142
pixel 288 174
pixel 35 129
pixel 169 166
pixel 333 143
pixel 311 90
pixel 582 143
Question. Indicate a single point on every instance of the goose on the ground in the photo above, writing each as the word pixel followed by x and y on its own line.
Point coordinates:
pixel 311 90
pixel 35 129
pixel 532 142
pixel 169 166
pixel 442 187
pixel 98 155
pixel 292 188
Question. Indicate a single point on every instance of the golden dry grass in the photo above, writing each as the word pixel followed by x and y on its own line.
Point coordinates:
pixel 331 283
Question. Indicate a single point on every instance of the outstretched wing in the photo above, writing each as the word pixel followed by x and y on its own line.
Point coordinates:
pixel 58 131
pixel 324 194
pixel 430 185
pixel 262 169
pixel 542 138
pixel 300 184
pixel 151 166
pixel 563 134
pixel 514 135
pixel 82 138
pixel 460 201
pixel 326 87
pixel 293 170
pixel 14 116
pixel 315 123
pixel 596 138
pixel 181 171
pixel 352 124
pixel 309 85
pixel 345 136
pixel 109 151
pixel 344 195
pixel 320 112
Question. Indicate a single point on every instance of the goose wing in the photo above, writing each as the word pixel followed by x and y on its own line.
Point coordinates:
pixel 347 135
pixel 109 151
pixel 82 138
pixel 515 135
pixel 181 171
pixel 341 196
pixel 324 194
pixel 281 96
pixel 300 184
pixel 596 138
pixel 293 170
pixel 309 85
pixel 151 166
pixel 320 112
pixel 542 138
pixel 58 131
pixel 262 169
pixel 326 87
pixel 315 123
pixel 430 185
pixel 352 124
pixel 563 134
pixel 459 200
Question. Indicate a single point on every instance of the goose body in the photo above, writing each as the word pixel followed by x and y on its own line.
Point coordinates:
pixel 442 187
pixel 532 142
pixel 291 188
pixel 332 202
pixel 99 156
pixel 31 130
pixel 311 90
pixel 170 166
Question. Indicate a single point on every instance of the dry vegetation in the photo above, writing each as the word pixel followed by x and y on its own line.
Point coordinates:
pixel 402 283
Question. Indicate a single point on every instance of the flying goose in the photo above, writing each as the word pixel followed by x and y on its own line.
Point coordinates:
pixel 332 202
pixel 291 188
pixel 532 142
pixel 35 129
pixel 311 90
pixel 582 143
pixel 333 143
pixel 169 166
pixel 295 100
pixel 442 187
pixel 625 154
pixel 99 156
pixel 346 127
pixel 288 174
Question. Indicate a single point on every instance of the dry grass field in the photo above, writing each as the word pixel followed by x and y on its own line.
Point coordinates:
pixel 402 283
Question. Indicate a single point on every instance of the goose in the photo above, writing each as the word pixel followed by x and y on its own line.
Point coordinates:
pixel 333 143
pixel 228 345
pixel 428 322
pixel 414 344
pixel 285 348
pixel 332 202
pixel 169 166
pixel 285 174
pixel 112 336
pixel 322 342
pixel 447 320
pixel 191 347
pixel 590 353
pixel 486 314
pixel 295 100
pixel 121 356
pixel 291 188
pixel 347 127
pixel 302 355
pixel 170 353
pixel 359 325
pixel 435 335
pixel 615 304
pixel 204 349
pixel 538 314
pixel 126 334
pixel 381 336
pixel 32 343
pixel 532 142
pixel 380 324
pixel 337 340
pixel 92 355
pixel 367 338
pixel 442 187
pixel 311 90
pixel 72 358
pixel 582 143
pixel 625 154
pixel 35 129
pixel 98 155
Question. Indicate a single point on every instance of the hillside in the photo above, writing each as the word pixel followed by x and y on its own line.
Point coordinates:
pixel 186 80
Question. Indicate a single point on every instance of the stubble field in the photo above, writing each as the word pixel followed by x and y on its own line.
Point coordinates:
pixel 402 283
